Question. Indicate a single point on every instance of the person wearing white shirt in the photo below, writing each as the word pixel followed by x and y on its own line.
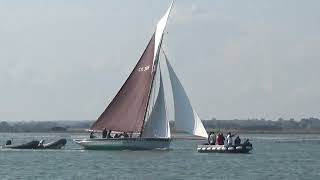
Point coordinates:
pixel 211 138
pixel 229 139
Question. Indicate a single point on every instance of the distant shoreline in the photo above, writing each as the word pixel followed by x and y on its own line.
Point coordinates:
pixel 250 126
pixel 293 131
pixel 182 135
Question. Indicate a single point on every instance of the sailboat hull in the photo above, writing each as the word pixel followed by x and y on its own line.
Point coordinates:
pixel 125 143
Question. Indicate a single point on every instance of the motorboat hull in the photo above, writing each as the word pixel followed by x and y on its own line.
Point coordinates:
pixel 124 143
pixel 54 145
pixel 29 145
pixel 242 148
pixel 37 145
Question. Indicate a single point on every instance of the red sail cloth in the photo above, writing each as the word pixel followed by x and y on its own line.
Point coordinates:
pixel 126 111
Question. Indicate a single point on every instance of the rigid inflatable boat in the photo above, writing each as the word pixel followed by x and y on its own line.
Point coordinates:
pixel 241 148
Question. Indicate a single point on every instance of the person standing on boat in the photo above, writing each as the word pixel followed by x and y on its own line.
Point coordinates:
pixel 237 141
pixel 229 139
pixel 104 133
pixel 109 134
pixel 217 139
pixel 220 139
pixel 211 138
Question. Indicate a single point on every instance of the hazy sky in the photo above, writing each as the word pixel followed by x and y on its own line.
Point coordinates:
pixel 237 59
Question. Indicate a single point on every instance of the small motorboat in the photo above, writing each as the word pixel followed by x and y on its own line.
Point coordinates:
pixel 37 145
pixel 29 145
pixel 241 148
pixel 52 145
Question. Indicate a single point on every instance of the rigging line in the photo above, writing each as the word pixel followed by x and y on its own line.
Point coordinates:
pixel 167 61
pixel 152 97
pixel 165 55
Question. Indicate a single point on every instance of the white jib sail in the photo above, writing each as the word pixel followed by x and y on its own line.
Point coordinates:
pixel 161 25
pixel 186 118
pixel 157 124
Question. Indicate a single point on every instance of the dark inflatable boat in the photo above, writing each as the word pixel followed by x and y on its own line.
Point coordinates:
pixel 241 148
pixel 52 145
pixel 29 145
pixel 37 145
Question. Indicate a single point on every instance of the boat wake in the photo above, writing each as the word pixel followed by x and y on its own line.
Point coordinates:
pixel 298 140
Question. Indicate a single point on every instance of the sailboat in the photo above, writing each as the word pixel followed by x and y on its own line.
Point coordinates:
pixel 139 108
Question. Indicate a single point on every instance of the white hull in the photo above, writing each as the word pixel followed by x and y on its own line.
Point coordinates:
pixel 124 143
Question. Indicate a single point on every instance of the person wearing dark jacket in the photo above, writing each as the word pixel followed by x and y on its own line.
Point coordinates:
pixel 109 134
pixel 237 141
pixel 247 143
pixel 104 133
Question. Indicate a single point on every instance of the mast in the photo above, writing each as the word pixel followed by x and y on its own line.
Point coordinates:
pixel 158 42
pixel 155 67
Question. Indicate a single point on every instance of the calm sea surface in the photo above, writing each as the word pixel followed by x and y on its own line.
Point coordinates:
pixel 273 157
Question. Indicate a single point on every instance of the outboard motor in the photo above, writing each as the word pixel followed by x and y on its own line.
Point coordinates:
pixel 9 142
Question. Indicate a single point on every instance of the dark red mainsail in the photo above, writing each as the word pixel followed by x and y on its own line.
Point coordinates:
pixel 126 111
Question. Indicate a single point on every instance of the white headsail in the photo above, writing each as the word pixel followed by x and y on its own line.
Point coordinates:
pixel 157 124
pixel 161 25
pixel 186 118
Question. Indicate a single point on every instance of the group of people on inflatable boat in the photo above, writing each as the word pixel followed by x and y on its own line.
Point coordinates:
pixel 219 139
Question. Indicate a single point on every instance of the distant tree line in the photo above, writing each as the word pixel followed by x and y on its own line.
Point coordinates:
pixel 262 125
pixel 305 124
pixel 281 124
pixel 43 126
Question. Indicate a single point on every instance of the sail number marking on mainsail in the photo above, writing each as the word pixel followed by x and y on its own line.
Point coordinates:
pixel 142 69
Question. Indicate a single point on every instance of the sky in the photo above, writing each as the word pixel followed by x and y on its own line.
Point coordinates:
pixel 65 60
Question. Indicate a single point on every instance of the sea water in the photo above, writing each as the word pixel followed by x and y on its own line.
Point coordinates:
pixel 273 157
